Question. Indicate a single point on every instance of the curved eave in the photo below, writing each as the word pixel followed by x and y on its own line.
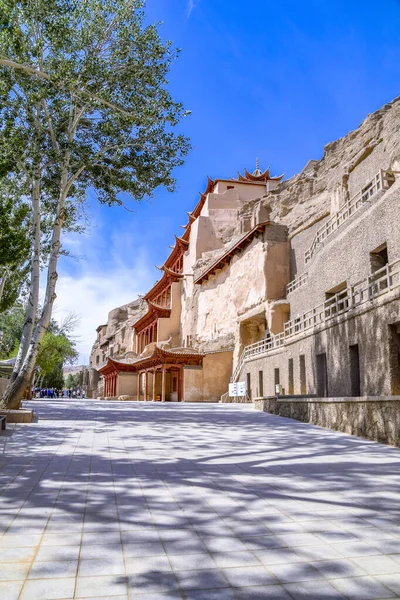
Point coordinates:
pixel 109 368
pixel 181 241
pixel 161 357
pixel 155 312
pixel 177 252
pixel 210 186
pixel 172 273
pixel 263 178
pixel 158 288
pixel 161 312
pixel 226 258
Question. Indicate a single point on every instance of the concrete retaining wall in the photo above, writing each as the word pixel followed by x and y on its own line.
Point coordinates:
pixel 373 417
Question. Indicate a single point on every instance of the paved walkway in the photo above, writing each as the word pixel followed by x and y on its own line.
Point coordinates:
pixel 149 501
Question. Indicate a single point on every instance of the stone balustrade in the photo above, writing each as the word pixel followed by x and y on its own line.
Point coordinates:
pixel 379 283
pixel 296 283
pixel 381 182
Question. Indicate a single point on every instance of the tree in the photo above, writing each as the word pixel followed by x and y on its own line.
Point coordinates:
pixel 14 243
pixel 11 325
pixel 55 350
pixel 73 380
pixel 83 104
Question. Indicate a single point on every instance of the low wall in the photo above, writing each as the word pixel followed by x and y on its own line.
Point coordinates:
pixel 3 385
pixel 373 417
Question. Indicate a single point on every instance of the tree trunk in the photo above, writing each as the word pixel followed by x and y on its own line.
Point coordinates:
pixel 3 282
pixel 33 299
pixel 15 391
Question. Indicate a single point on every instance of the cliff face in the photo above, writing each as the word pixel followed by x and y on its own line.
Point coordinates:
pixel 116 337
pixel 323 185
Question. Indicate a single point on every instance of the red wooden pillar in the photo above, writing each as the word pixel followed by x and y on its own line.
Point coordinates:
pixel 163 381
pixel 180 384
pixel 154 384
pixel 145 385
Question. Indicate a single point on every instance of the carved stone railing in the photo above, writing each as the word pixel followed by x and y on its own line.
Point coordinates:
pixel 296 283
pixel 379 283
pixel 381 182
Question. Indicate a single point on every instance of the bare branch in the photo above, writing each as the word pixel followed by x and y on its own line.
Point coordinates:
pixel 49 122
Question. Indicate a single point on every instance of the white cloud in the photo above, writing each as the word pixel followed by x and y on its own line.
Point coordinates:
pixel 112 272
pixel 191 5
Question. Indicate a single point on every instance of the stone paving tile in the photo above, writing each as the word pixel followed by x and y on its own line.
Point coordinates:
pixel 52 570
pixel 276 556
pixel 377 565
pixel 110 565
pixel 249 576
pixel 194 501
pixel 106 585
pixel 157 596
pixel 317 590
pixel 216 594
pixel 10 590
pixel 14 571
pixel 201 579
pixel 235 559
pixel 149 564
pixel 152 582
pixel 289 573
pixel 362 588
pixel 333 569
pixel 57 553
pixel 48 589
pixel 17 554
pixel 190 562
pixel 390 581
pixel 148 549
pixel 271 592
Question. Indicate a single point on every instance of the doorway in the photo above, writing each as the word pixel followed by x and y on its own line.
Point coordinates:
pixel 322 375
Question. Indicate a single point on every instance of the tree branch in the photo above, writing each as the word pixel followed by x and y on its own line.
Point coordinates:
pixel 32 71
pixel 49 122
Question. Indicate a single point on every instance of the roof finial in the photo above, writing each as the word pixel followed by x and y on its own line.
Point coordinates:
pixel 257 172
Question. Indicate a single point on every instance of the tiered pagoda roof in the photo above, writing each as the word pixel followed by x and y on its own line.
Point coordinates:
pixel 171 272
pixel 158 357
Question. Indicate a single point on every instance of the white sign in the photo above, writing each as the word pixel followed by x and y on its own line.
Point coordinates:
pixel 241 388
pixel 237 389
pixel 233 390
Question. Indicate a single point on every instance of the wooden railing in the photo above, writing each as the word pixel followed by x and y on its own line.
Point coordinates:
pixel 381 182
pixel 379 283
pixel 296 283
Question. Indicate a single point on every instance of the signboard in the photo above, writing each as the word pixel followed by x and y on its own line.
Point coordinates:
pixel 233 390
pixel 237 390
pixel 241 388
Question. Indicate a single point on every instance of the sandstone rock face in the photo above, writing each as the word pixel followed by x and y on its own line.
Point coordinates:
pixel 323 185
pixel 116 336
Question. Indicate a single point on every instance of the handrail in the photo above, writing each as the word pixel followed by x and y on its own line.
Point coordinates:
pixel 375 285
pixel 381 182
pixel 296 283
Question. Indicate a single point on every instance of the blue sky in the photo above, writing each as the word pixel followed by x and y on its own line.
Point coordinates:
pixel 272 79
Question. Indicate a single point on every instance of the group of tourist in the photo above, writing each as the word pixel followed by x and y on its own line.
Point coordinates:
pixel 45 393
pixel 38 392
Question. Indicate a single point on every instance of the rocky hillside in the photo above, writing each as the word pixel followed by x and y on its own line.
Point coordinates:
pixel 305 198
